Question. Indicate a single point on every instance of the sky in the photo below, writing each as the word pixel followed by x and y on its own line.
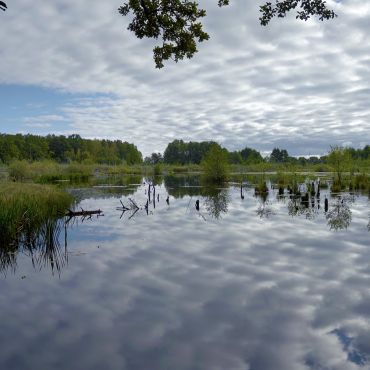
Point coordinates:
pixel 70 67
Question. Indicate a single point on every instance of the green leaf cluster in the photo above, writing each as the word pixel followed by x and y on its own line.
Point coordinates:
pixel 177 22
pixel 308 8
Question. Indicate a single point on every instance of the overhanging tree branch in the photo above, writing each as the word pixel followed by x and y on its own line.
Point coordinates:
pixel 177 22
pixel 308 8
pixel 3 6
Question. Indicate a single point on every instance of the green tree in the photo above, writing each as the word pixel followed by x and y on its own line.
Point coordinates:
pixel 251 156
pixel 128 152
pixel 175 152
pixel 177 22
pixel 180 152
pixel 339 159
pixel 155 158
pixel 279 156
pixel 8 149
pixel 58 146
pixel 35 148
pixel 62 149
pixel 235 158
pixel 215 165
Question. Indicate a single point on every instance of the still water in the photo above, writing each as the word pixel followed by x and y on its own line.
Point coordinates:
pixel 242 283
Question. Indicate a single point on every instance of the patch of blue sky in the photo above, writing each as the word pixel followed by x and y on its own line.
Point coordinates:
pixel 37 110
pixel 348 343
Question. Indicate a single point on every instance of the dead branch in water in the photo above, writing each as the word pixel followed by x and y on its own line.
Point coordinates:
pixel 71 213
pixel 83 214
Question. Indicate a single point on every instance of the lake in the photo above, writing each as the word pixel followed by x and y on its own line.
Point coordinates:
pixel 244 282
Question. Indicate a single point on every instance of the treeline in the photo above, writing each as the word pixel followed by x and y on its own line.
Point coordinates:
pixel 180 152
pixel 281 156
pixel 66 149
pixel 73 148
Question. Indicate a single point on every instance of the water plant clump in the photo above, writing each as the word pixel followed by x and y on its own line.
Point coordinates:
pixel 261 188
pixel 25 208
pixel 361 182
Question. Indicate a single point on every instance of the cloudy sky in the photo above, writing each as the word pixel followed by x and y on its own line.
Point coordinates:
pixel 73 67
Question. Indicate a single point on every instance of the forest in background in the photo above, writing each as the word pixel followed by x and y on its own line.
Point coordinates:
pixel 64 149
pixel 73 148
pixel 179 152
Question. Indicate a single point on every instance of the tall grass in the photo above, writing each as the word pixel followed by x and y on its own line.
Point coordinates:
pixel 24 209
pixel 49 171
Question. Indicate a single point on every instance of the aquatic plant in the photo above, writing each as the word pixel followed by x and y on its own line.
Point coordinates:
pixel 261 188
pixel 24 208
pixel 361 181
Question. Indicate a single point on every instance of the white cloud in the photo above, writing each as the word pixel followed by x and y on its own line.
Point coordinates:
pixel 297 85
pixel 44 119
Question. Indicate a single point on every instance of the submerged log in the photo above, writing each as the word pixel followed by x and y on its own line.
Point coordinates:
pixel 84 213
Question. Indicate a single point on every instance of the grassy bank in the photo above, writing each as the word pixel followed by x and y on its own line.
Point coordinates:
pixel 25 207
pixel 47 172
pixel 44 172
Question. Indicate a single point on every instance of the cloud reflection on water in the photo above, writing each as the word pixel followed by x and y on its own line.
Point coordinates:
pixel 170 291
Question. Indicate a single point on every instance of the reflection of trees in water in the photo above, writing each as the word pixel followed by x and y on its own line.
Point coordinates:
pixel 113 186
pixel 42 245
pixel 181 186
pixel 216 202
pixel 339 216
pixel 307 207
pixel 264 209
pixel 156 180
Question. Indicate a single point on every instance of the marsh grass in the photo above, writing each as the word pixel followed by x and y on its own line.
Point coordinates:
pixel 73 172
pixel 351 182
pixel 360 182
pixel 25 208
pixel 44 172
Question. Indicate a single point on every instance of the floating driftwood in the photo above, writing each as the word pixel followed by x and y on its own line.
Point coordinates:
pixel 83 213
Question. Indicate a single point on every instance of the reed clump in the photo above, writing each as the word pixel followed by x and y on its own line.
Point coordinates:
pixel 361 182
pixel 24 208
pixel 73 172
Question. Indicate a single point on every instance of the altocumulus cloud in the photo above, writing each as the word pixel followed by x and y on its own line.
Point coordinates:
pixel 298 85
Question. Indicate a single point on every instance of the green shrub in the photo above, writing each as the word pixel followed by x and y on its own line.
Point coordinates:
pixel 215 165
pixel 19 170
pixel 157 169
